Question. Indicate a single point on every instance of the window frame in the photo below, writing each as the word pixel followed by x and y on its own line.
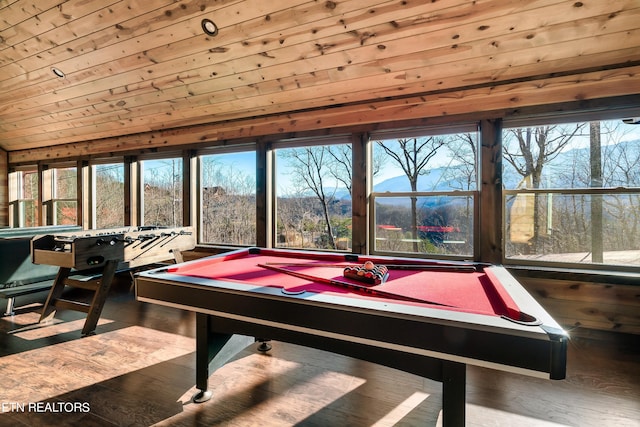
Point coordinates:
pixel 416 132
pixel 49 195
pixel 272 193
pixel 199 205
pixel 93 193
pixel 164 155
pixel 559 119
pixel 17 198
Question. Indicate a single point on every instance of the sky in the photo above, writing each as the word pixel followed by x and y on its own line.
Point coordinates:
pixel 245 161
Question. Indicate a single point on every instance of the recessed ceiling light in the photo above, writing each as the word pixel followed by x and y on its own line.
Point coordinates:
pixel 57 72
pixel 209 27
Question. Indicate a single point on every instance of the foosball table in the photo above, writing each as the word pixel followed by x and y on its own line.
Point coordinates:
pixel 106 251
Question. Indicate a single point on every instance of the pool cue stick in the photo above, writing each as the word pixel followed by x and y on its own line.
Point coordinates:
pixel 349 285
pixel 435 267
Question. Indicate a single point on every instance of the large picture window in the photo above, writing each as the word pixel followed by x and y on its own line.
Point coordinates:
pixel 109 195
pixel 572 193
pixel 313 194
pixel 424 191
pixel 228 198
pixel 63 201
pixel 162 196
pixel 23 198
pixel 567 193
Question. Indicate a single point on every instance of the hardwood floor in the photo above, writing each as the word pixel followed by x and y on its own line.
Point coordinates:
pixel 138 370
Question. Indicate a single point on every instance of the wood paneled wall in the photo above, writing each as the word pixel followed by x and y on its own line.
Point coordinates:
pixel 4 188
pixel 580 304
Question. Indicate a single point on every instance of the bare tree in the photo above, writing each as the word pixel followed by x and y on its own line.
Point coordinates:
pixel 464 153
pixel 621 160
pixel 228 203
pixel 534 148
pixel 580 221
pixel 66 203
pixel 310 169
pixel 163 193
pixel 413 156
pixel 29 199
pixel 339 163
pixel 621 168
pixel 109 209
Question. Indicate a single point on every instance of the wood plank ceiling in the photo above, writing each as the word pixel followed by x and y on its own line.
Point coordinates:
pixel 136 71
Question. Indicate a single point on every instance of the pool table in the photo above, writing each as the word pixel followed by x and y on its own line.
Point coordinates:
pixel 427 317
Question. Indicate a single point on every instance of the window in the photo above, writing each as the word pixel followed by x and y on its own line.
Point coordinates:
pixel 572 193
pixel 162 194
pixel 424 191
pixel 313 194
pixel 62 203
pixel 23 198
pixel 108 194
pixel 228 198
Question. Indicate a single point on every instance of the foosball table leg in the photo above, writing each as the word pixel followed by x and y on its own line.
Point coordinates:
pixel 49 309
pixel 177 256
pixel 100 297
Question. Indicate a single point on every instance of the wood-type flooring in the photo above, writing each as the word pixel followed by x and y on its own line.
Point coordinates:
pixel 138 370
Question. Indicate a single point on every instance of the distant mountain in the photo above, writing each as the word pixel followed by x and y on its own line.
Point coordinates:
pixel 562 172
pixel 433 181
pixel 554 174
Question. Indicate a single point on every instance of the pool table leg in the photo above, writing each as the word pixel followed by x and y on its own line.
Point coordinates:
pixel 213 347
pixel 453 393
pixel 203 329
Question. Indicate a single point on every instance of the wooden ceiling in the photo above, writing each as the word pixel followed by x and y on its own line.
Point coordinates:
pixel 143 72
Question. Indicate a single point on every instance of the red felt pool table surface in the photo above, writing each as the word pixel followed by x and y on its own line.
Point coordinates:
pixel 477 291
